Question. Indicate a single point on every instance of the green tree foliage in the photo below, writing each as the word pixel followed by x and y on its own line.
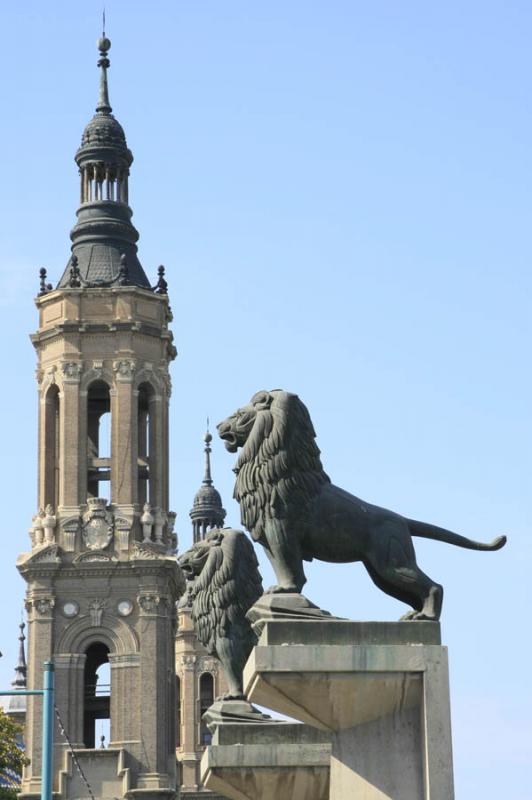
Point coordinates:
pixel 11 756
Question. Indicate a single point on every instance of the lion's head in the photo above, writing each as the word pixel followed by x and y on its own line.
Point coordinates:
pixel 279 469
pixel 227 582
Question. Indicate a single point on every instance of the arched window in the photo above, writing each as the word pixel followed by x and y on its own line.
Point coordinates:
pixel 97 695
pixel 51 447
pixel 99 439
pixel 146 442
pixel 178 711
pixel 206 687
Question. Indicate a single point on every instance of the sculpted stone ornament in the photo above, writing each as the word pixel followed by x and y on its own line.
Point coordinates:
pixel 96 609
pixel 48 523
pixel 225 579
pixel 147 520
pixel 37 530
pixel 97 524
pixel 289 505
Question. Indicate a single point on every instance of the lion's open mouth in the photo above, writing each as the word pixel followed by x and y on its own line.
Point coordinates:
pixel 230 442
pixel 228 437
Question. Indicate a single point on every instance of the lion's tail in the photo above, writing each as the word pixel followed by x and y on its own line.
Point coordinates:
pixel 426 531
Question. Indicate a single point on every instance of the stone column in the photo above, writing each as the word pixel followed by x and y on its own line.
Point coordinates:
pixel 69 439
pixel 69 694
pixel 125 686
pixel 156 667
pixel 124 449
pixel 40 607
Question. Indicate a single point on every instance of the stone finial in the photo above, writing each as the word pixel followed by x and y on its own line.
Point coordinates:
pixel 159 525
pixel 43 286
pixel 161 287
pixel 172 536
pixel 104 45
pixel 147 520
pixel 123 275
pixel 37 529
pixel 75 276
pixel 49 521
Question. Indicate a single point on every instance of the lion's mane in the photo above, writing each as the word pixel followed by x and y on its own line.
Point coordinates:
pixel 279 469
pixel 227 586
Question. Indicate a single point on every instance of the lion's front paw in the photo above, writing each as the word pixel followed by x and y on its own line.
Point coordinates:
pixel 418 615
pixel 277 589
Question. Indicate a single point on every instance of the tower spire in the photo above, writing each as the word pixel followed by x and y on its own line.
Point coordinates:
pixel 104 45
pixel 19 681
pixel 207 480
pixel 207 510
pixel 104 232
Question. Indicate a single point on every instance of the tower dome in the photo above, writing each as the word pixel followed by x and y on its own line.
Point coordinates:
pixel 207 510
pixel 104 240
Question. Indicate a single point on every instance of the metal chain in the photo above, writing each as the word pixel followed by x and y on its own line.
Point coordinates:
pixel 74 756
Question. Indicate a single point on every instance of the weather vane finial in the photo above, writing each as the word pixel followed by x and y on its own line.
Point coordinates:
pixel 104 45
pixel 103 22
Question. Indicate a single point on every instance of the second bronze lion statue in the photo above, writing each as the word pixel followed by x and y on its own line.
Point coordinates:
pixel 289 505
pixel 225 582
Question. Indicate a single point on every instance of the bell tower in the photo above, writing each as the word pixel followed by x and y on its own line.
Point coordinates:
pixel 102 579
pixel 199 676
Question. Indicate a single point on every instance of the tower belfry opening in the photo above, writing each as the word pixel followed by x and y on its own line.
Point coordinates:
pixel 97 692
pixel 99 444
pixel 146 443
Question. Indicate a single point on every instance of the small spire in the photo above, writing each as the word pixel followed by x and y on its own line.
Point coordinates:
pixel 207 510
pixel 104 45
pixel 19 681
pixel 75 277
pixel 161 287
pixel 207 480
pixel 43 286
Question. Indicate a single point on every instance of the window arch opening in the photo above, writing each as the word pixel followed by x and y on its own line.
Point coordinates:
pixel 51 447
pixel 206 687
pixel 97 695
pixel 146 443
pixel 99 440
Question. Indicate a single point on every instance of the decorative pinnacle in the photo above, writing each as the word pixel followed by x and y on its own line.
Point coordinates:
pixel 20 670
pixel 43 286
pixel 207 480
pixel 123 274
pixel 161 287
pixel 104 45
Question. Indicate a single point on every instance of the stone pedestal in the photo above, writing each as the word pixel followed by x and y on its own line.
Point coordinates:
pixel 268 761
pixel 381 689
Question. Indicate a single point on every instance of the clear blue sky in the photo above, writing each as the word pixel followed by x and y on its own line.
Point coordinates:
pixel 341 194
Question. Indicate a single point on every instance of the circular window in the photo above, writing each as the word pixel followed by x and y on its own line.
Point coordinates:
pixel 125 607
pixel 70 608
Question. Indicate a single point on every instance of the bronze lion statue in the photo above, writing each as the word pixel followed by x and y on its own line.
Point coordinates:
pixel 289 505
pixel 226 583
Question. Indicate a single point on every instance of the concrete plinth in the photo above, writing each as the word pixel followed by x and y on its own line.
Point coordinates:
pixel 381 689
pixel 269 761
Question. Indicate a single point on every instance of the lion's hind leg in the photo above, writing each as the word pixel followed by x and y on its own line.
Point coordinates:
pixel 393 569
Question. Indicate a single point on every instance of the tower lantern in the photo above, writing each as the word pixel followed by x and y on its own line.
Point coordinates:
pixel 102 579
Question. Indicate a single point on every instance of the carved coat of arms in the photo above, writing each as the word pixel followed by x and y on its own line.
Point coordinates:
pixel 97 524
